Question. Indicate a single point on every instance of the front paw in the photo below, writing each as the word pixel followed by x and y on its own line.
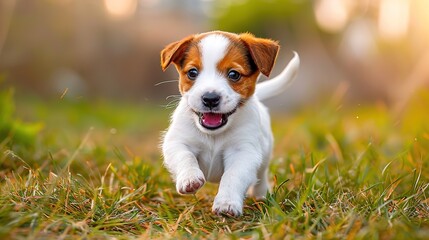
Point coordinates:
pixel 227 205
pixel 190 181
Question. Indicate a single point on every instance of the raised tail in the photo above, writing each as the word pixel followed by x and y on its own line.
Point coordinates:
pixel 280 83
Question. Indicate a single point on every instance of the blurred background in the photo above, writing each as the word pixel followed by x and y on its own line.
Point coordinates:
pixel 357 50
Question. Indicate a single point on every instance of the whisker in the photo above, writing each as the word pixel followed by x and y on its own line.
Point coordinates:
pixel 174 96
pixel 172 104
pixel 175 99
pixel 166 81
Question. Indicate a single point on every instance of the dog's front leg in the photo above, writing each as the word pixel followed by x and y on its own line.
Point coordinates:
pixel 184 167
pixel 240 172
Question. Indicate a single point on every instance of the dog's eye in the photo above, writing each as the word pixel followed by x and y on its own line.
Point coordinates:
pixel 234 75
pixel 192 74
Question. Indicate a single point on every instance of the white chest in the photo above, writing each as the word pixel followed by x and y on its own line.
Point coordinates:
pixel 210 156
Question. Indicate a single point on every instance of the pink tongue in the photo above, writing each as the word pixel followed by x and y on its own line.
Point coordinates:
pixel 212 119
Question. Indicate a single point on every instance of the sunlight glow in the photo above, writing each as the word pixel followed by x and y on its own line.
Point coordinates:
pixel 393 19
pixel 332 15
pixel 421 18
pixel 121 8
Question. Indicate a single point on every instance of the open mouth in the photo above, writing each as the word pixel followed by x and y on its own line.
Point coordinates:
pixel 213 120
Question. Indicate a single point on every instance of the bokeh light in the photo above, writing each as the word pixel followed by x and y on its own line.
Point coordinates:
pixel 121 8
pixel 393 19
pixel 332 15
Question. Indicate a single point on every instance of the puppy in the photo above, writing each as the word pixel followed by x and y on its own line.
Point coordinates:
pixel 220 131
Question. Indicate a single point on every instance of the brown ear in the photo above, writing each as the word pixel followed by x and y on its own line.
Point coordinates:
pixel 174 51
pixel 263 52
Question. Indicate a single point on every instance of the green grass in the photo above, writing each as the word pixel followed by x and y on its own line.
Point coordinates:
pixel 94 171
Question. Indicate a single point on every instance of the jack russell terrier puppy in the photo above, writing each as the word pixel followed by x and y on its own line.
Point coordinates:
pixel 220 131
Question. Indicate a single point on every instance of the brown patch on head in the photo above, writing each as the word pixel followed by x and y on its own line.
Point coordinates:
pixel 238 58
pixel 191 60
pixel 185 56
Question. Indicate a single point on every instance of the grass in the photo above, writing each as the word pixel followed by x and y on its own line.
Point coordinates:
pixel 94 171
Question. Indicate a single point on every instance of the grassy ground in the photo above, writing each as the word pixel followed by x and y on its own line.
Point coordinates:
pixel 94 171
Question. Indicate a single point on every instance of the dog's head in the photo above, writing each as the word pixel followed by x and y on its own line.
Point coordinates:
pixel 218 73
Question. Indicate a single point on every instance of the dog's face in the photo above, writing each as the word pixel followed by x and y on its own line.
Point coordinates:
pixel 218 73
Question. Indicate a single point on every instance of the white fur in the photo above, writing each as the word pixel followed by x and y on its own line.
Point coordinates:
pixel 236 155
pixel 213 49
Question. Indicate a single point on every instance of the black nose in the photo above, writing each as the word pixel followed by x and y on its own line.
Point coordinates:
pixel 210 99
